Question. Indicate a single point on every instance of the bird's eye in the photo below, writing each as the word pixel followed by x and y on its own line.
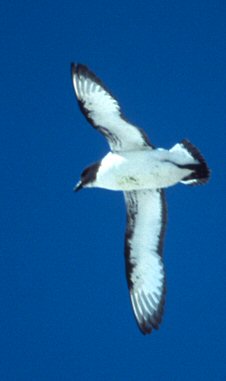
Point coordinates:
pixel 84 173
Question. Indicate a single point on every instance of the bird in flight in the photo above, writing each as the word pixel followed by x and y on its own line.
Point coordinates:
pixel 141 171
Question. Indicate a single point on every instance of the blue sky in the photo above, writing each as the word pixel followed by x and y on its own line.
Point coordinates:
pixel 65 310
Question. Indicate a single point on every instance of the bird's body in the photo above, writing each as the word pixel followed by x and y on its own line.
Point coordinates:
pixel 147 169
pixel 141 171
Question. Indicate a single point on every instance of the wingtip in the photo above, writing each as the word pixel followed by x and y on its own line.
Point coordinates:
pixel 73 68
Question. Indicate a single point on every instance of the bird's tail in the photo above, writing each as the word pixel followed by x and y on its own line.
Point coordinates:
pixel 196 163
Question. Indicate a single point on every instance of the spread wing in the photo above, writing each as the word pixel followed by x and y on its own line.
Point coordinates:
pixel 103 112
pixel 146 220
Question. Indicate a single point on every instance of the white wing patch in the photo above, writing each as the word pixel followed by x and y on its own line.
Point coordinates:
pixel 146 219
pixel 103 112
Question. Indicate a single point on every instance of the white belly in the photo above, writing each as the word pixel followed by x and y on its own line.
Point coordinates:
pixel 139 170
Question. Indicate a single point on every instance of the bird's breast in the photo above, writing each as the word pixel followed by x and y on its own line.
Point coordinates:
pixel 137 170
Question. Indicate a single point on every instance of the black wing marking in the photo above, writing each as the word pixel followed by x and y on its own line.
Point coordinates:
pixel 103 111
pixel 146 222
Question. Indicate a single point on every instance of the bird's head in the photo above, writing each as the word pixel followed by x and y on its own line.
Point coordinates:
pixel 88 177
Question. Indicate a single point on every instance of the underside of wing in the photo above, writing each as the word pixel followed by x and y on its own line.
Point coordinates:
pixel 103 111
pixel 146 221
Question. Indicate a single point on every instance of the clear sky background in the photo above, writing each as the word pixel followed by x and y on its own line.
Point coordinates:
pixel 65 310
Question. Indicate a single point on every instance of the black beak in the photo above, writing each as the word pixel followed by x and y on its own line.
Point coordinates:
pixel 78 186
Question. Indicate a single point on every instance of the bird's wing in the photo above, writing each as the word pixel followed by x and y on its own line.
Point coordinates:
pixel 146 221
pixel 103 111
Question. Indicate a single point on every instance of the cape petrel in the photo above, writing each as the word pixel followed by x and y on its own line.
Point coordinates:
pixel 141 171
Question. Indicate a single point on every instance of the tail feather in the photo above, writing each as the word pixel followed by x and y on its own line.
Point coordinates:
pixel 200 171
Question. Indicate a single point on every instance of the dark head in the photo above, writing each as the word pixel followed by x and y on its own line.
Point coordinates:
pixel 88 176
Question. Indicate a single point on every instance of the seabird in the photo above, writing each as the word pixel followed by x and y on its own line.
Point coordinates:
pixel 141 171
